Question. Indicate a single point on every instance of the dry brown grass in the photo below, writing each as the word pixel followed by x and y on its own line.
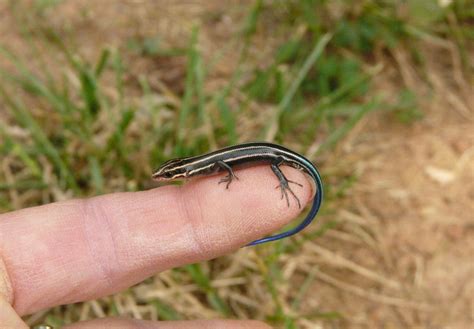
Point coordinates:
pixel 412 210
pixel 402 255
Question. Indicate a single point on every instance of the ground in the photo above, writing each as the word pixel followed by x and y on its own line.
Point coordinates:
pixel 404 254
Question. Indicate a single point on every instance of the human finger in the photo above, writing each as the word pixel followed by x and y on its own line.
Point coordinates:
pixel 132 324
pixel 83 249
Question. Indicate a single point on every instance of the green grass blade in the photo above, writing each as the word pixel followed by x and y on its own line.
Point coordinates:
pixel 303 72
pixel 30 82
pixel 204 282
pixel 101 64
pixel 343 90
pixel 199 76
pixel 96 175
pixel 217 303
pixel 26 119
pixel 198 276
pixel 250 25
pixel 119 72
pixel 295 305
pixel 165 311
pixel 283 106
pixel 29 162
pixel 23 185
pixel 228 119
pixel 340 132
pixel 117 138
pixel 89 90
pixel 189 91
pixel 19 150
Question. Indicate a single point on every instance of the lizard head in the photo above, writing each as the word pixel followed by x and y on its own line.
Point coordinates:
pixel 171 170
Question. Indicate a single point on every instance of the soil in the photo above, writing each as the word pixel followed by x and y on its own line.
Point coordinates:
pixel 405 257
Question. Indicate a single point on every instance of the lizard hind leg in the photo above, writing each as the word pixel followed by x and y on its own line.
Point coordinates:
pixel 285 185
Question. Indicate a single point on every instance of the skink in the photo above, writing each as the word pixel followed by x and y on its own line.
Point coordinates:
pixel 251 153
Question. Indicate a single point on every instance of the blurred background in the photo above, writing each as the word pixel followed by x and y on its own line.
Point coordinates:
pixel 95 94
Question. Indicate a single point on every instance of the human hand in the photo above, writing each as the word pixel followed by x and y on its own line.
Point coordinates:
pixel 79 250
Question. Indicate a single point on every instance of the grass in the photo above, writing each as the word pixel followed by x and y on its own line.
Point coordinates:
pixel 97 132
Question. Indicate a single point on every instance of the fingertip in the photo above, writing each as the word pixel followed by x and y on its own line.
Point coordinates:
pixel 251 208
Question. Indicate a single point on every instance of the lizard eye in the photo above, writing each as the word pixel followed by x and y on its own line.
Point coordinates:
pixel 168 175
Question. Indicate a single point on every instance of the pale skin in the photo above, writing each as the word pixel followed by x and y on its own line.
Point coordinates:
pixel 79 250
